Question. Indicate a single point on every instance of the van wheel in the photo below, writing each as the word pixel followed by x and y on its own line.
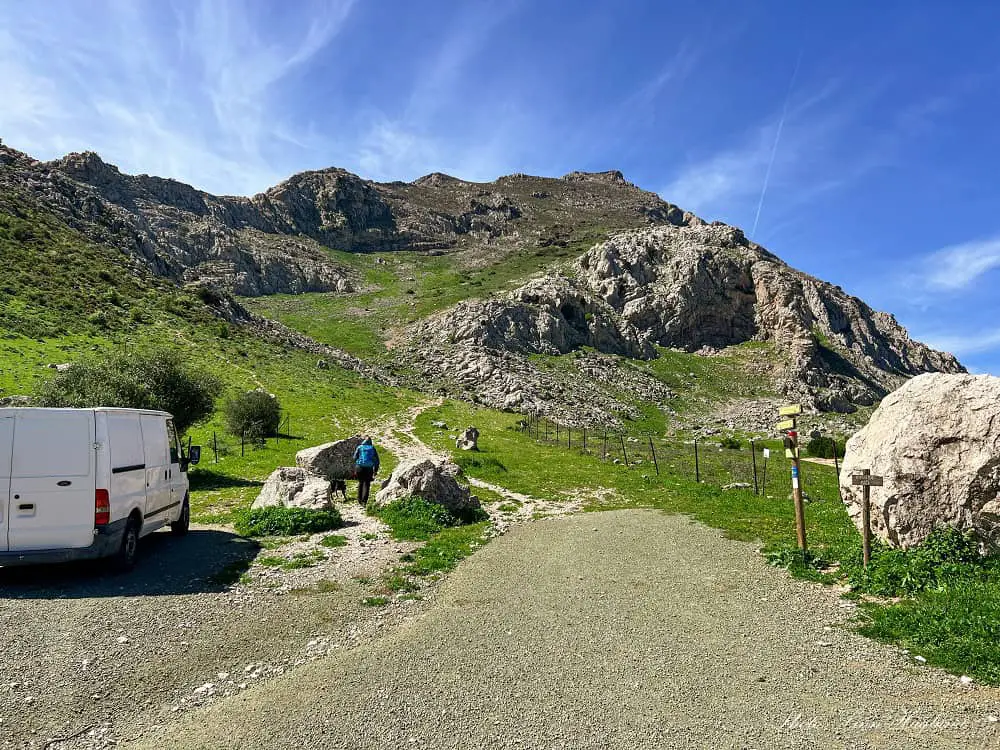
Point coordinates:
pixel 183 523
pixel 125 557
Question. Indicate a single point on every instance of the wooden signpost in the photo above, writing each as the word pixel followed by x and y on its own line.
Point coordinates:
pixel 788 426
pixel 866 480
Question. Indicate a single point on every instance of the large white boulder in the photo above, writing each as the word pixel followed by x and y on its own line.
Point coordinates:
pixel 936 442
pixel 294 487
pixel 330 460
pixel 435 482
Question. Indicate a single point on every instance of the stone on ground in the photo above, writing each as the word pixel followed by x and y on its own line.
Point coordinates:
pixel 468 440
pixel 434 482
pixel 294 487
pixel 936 443
pixel 330 460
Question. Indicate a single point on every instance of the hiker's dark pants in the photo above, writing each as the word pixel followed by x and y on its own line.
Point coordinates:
pixel 365 476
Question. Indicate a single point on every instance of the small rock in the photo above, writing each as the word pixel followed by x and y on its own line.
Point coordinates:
pixel 123 639
pixel 965 680
pixel 919 660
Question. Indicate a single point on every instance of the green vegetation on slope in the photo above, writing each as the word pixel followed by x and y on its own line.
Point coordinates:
pixel 404 286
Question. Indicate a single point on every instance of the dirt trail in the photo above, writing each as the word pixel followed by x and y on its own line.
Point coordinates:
pixel 397 435
pixel 623 629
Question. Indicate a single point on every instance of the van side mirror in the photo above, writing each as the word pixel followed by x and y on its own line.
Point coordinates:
pixel 194 454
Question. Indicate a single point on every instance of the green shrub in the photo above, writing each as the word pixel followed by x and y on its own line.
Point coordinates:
pixel 824 447
pixel 279 521
pixel 254 414
pixel 139 379
pixel 414 518
pixel 730 442
pixel 946 558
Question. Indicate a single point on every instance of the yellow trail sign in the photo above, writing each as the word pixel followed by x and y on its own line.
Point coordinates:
pixel 790 411
pixel 788 424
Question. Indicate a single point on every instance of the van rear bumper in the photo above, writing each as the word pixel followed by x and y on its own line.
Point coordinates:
pixel 107 540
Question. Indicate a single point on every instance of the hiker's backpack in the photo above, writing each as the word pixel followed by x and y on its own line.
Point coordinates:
pixel 366 456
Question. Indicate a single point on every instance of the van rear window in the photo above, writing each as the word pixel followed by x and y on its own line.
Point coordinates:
pixel 54 445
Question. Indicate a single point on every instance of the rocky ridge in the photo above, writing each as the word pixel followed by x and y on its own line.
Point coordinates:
pixel 278 241
pixel 693 287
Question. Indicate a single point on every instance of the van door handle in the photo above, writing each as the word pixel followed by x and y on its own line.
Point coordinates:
pixel 26 506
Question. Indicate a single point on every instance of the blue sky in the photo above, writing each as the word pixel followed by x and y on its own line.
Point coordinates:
pixel 871 125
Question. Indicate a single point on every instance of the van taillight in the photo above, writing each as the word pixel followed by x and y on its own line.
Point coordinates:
pixel 102 508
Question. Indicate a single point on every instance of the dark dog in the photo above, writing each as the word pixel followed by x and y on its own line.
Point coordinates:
pixel 339 485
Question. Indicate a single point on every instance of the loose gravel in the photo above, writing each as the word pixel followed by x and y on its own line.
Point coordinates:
pixel 624 629
pixel 91 659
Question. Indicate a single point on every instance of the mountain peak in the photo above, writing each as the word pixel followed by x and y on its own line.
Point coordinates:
pixel 612 176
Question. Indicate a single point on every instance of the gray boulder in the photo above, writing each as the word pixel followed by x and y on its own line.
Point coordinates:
pixel 330 460
pixel 468 440
pixel 434 482
pixel 936 442
pixel 292 487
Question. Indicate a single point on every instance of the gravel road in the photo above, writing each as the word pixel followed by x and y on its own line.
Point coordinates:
pixel 626 629
pixel 108 657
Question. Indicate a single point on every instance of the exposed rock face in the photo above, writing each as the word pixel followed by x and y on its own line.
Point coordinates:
pixel 330 460
pixel 936 442
pixel 433 482
pixel 695 287
pixel 294 487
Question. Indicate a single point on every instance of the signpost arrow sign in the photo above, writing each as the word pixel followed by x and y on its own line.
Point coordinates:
pixel 790 411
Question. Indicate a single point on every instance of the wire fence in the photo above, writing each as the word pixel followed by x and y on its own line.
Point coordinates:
pixel 254 437
pixel 758 467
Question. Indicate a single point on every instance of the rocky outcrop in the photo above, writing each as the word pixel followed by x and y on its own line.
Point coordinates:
pixel 936 443
pixel 331 460
pixel 294 487
pixel 697 287
pixel 434 482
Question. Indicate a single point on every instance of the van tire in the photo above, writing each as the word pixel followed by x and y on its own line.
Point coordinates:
pixel 183 523
pixel 124 559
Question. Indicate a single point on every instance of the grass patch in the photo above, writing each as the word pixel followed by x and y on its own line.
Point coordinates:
pixel 333 540
pixel 446 549
pixel 279 521
pixel 375 601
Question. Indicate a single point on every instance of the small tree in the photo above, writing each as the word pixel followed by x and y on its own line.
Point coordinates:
pixel 144 379
pixel 255 414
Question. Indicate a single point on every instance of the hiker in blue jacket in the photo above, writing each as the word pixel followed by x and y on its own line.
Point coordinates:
pixel 366 467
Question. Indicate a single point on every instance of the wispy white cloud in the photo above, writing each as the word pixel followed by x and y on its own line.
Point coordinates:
pixel 957 267
pixel 185 90
pixel 963 344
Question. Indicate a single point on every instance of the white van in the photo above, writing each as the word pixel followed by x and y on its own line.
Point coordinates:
pixel 87 483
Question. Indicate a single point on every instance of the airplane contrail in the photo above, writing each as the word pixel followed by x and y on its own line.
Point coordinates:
pixel 774 148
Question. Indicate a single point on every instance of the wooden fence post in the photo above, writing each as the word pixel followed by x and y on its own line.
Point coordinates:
pixel 624 452
pixel 697 467
pixel 753 455
pixel 652 450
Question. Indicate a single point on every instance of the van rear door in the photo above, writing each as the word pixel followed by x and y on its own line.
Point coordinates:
pixel 6 447
pixel 52 480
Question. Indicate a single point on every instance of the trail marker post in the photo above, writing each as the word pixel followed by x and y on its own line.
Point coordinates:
pixel 866 480
pixel 788 426
pixel 763 478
